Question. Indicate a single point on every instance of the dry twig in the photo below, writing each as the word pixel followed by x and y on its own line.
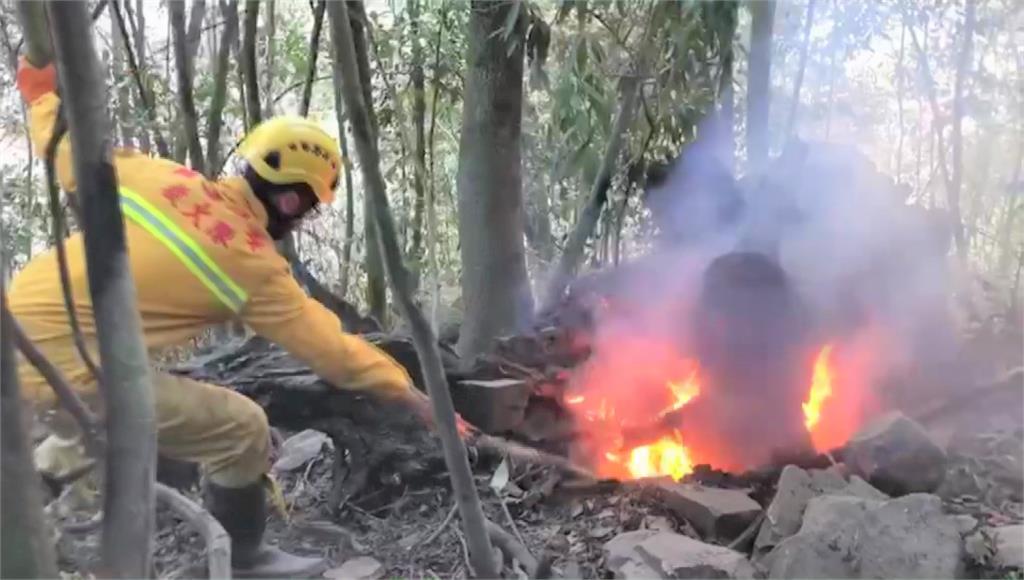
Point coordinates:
pixel 441 528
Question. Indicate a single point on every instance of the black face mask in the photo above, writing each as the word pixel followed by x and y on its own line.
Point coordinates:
pixel 278 224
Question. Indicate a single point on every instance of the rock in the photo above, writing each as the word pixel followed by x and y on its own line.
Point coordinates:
pixel 851 537
pixel 494 406
pixel 966 524
pixel 1009 546
pixel 986 465
pixel 300 449
pixel 897 456
pixel 361 568
pixel 658 523
pixel 715 513
pixel 654 554
pixel 857 487
pixel 796 487
pixel 831 511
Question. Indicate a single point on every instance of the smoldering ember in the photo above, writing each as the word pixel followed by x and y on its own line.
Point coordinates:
pixel 508 289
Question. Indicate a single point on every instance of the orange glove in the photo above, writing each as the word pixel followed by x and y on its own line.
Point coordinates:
pixel 35 82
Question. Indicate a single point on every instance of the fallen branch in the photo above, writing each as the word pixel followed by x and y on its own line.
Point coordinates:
pixel 218 543
pixel 529 454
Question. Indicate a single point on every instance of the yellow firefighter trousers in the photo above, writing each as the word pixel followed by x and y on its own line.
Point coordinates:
pixel 225 432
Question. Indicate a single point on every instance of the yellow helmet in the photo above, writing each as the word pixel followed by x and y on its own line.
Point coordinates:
pixel 305 153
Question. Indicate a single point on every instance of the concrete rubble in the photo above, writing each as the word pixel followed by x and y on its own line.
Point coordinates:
pixel 851 537
pixel 715 513
pixel 897 456
pixel 658 554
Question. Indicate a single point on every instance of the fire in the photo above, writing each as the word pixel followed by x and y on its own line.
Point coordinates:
pixel 821 388
pixel 667 456
pixel 625 402
pixel 621 396
pixel 684 392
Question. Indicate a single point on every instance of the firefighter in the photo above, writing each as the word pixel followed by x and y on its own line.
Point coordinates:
pixel 201 252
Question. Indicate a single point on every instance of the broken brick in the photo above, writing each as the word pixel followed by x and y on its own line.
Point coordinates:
pixel 495 405
pixel 715 513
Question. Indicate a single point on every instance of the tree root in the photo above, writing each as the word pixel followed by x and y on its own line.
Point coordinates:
pixel 512 548
pixel 218 543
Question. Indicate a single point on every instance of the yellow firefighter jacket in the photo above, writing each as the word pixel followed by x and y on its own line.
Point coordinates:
pixel 199 254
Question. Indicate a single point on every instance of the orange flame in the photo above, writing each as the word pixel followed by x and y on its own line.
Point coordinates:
pixel 667 456
pixel 821 388
pixel 684 392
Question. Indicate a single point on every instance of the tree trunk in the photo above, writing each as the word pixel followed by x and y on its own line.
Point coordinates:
pixel 38 47
pixel 142 86
pixel 495 286
pixel 124 105
pixel 183 69
pixel 214 121
pixel 195 31
pixel 419 114
pixel 899 104
pixel 480 551
pixel 24 536
pixel 376 284
pixel 794 106
pixel 940 141
pixel 271 33
pixel 314 51
pixel 249 72
pixel 139 31
pixel 759 84
pixel 963 70
pixel 431 202
pixel 346 252
pixel 726 98
pixel 128 511
pixel 584 228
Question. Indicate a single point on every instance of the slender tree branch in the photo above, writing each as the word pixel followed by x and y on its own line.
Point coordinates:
pixel 144 96
pixel 57 216
pixel 214 120
pixel 249 72
pixel 24 535
pixel 314 51
pixel 183 68
pixel 65 394
pixel 423 338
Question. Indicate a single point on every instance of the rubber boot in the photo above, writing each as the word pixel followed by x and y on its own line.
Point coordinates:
pixel 243 513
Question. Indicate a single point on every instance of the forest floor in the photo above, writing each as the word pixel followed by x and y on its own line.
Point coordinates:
pixel 565 524
pixel 406 526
